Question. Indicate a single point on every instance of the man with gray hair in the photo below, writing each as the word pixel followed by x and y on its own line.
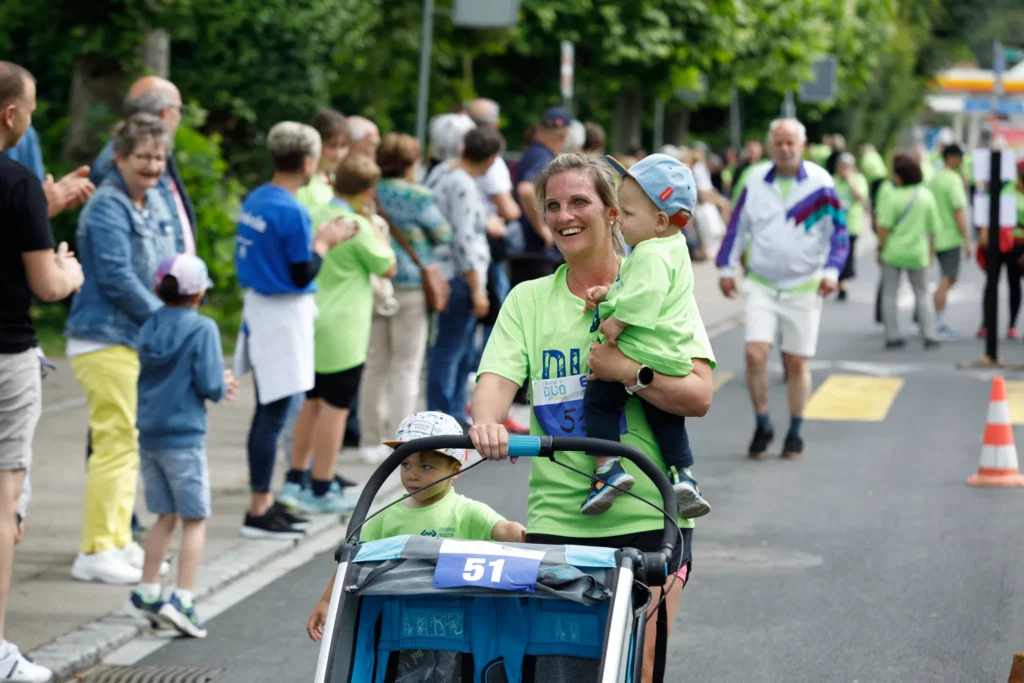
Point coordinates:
pixel 160 97
pixel 277 256
pixel 789 223
pixel 364 136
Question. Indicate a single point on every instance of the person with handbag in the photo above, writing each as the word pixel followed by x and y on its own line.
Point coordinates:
pixel 908 218
pixel 459 198
pixel 398 342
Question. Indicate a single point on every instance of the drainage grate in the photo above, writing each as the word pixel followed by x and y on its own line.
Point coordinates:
pixel 152 674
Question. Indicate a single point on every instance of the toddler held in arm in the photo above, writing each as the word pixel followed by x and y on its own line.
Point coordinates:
pixel 650 313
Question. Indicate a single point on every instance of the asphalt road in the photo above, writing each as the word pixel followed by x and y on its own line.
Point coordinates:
pixel 869 560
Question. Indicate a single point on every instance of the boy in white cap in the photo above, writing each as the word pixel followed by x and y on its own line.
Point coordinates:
pixel 650 313
pixel 437 511
pixel 181 367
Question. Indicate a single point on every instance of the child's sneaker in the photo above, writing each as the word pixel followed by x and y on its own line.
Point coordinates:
pixel 149 608
pixel 331 503
pixel 688 495
pixel 291 494
pixel 609 485
pixel 183 617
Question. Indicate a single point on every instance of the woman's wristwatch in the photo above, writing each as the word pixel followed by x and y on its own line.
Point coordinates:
pixel 644 376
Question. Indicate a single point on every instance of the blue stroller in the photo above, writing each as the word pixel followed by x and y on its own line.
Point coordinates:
pixel 414 609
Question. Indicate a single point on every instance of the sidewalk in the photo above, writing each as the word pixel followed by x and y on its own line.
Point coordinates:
pixel 73 631
pixel 63 633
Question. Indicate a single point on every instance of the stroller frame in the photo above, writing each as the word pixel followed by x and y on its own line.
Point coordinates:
pixel 634 571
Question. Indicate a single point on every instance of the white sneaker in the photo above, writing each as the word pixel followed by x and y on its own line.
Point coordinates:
pixel 134 555
pixel 14 667
pixel 106 567
pixel 374 455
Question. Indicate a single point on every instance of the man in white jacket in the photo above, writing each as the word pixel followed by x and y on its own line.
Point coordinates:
pixel 790 232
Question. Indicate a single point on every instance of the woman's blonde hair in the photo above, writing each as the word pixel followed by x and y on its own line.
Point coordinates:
pixel 600 173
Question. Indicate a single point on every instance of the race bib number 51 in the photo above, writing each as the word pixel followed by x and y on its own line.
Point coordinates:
pixel 558 405
pixel 486 565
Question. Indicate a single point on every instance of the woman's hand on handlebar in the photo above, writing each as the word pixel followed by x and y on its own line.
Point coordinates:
pixel 490 441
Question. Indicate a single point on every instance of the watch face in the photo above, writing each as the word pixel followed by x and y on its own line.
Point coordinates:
pixel 646 375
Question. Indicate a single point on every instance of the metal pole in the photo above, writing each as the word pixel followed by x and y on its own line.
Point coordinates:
pixel 423 94
pixel 993 260
pixel 659 124
pixel 788 106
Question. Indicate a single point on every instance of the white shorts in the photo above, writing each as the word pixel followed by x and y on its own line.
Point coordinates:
pixel 799 316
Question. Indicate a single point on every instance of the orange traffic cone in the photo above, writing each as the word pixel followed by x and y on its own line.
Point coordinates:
pixel 998 465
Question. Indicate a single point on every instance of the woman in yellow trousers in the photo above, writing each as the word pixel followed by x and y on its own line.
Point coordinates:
pixel 124 232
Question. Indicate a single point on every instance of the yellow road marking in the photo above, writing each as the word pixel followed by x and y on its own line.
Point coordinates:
pixel 719 378
pixel 853 398
pixel 1015 399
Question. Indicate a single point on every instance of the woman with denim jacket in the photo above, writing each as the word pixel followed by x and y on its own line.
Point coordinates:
pixel 124 232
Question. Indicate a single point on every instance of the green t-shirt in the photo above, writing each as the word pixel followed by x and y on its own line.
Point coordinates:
pixel 317 193
pixel 344 297
pixel 785 185
pixel 908 245
pixel 653 294
pixel 854 209
pixel 819 153
pixel 543 334
pixel 873 166
pixel 454 516
pixel 948 188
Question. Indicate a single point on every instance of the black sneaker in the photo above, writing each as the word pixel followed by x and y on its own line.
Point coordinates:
pixel 287 516
pixel 270 526
pixel 931 344
pixel 343 482
pixel 793 449
pixel 759 444
pixel 842 295
pixel 895 343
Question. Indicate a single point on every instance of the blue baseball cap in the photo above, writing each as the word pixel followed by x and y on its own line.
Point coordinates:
pixel 667 181
pixel 556 117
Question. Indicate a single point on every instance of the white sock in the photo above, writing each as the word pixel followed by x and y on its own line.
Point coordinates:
pixel 940 317
pixel 184 596
pixel 607 466
pixel 149 591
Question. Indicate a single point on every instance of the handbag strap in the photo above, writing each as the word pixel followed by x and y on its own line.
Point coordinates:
pixel 906 209
pixel 396 233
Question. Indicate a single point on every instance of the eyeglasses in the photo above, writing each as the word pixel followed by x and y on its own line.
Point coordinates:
pixel 149 158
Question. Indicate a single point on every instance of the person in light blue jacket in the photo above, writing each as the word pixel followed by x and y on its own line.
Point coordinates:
pixel 182 367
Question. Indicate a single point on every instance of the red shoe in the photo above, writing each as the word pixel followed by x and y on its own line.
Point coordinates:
pixel 1012 334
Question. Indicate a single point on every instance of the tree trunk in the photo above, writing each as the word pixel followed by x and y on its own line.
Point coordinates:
pixel 95 86
pixel 156 53
pixel 627 128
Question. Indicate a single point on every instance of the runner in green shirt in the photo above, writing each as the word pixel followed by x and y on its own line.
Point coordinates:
pixel 344 301
pixel 852 189
pixel 649 312
pixel 436 511
pixel 951 235
pixel 907 221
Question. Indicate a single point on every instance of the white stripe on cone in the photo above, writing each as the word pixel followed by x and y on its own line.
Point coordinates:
pixel 999 457
pixel 998 413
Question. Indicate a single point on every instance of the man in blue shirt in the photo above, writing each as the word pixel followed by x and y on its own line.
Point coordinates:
pixel 277 256
pixel 540 257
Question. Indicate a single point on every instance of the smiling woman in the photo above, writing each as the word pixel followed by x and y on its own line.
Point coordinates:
pixel 124 232
pixel 544 335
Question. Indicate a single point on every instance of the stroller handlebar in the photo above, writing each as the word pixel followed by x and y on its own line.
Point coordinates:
pixel 537 446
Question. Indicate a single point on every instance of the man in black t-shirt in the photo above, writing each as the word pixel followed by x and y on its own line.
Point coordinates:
pixel 28 265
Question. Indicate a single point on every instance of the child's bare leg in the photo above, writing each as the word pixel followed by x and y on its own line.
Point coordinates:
pixel 302 438
pixel 193 540
pixel 158 541
pixel 602 460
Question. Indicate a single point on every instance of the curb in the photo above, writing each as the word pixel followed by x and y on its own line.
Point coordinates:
pixel 86 646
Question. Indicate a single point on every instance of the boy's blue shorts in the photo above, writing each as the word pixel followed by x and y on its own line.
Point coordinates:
pixel 177 481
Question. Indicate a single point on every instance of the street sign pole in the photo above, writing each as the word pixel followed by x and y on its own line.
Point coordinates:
pixel 423 95
pixel 568 74
pixel 993 261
